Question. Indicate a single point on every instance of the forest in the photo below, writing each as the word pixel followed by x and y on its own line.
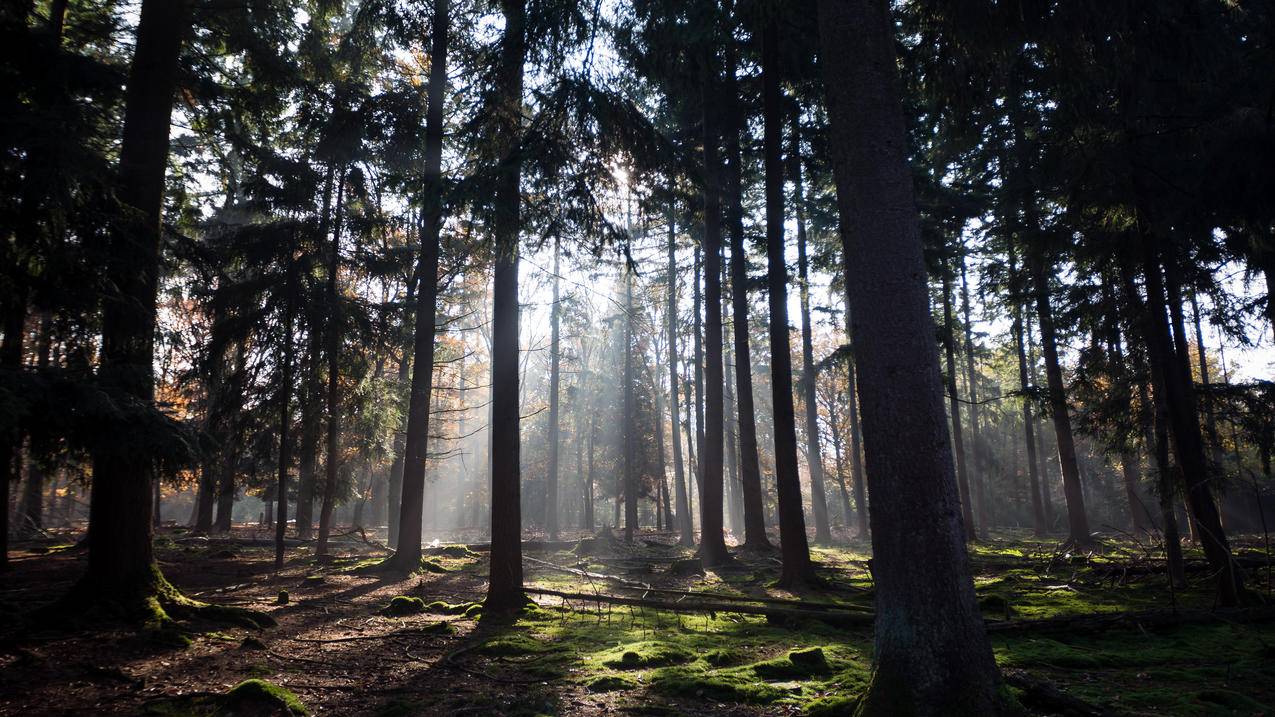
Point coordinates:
pixel 648 357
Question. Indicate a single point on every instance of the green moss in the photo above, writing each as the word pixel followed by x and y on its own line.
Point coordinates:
pixel 513 645
pixel 796 664
pixel 831 707
pixel 721 688
pixel 441 627
pixel 723 657
pixel 610 683
pixel 403 605
pixel 433 566
pixel 641 655
pixel 454 551
pixel 1231 702
pixel 438 607
pixel 254 694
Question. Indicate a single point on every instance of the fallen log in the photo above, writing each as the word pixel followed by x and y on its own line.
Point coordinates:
pixel 841 618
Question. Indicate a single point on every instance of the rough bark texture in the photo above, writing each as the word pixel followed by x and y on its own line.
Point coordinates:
pixel 407 555
pixel 504 588
pixel 932 656
pixel 712 529
pixel 120 562
pixel 794 548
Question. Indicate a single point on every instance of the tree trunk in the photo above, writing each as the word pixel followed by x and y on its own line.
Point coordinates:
pixel 954 405
pixel 1210 416
pixel 407 554
pixel 31 508
pixel 792 523
pixel 856 433
pixel 332 463
pixel 1077 521
pixel 1184 421
pixel 311 424
pixel 1156 431
pixel 976 441
pixel 686 533
pixel 932 654
pixel 630 489
pixel 749 464
pixel 551 487
pixel 121 565
pixel 814 458
pixel 589 522
pixel 504 588
pixel 394 492
pixel 1039 525
pixel 712 549
pixel 285 425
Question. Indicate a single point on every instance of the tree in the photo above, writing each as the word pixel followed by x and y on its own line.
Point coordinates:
pixel 407 554
pixel 795 551
pixel 685 528
pixel 932 655
pixel 551 488
pixel 504 588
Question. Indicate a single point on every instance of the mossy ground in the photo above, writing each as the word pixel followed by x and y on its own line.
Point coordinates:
pixel 335 650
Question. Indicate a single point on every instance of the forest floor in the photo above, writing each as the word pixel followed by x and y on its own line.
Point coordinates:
pixel 339 652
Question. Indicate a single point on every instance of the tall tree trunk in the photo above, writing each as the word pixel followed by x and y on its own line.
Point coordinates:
pixel 1046 495
pixel 228 463
pixel 407 554
pixel 504 588
pixel 589 522
pixel 1039 525
pixel 311 418
pixel 954 405
pixel 630 490
pixel 285 425
pixel 686 533
pixel 664 521
pixel 1156 428
pixel 932 655
pixel 121 564
pixel 734 502
pixel 1210 416
pixel 1129 459
pixel 692 466
pixel 976 441
pixel 749 464
pixel 1184 421
pixel 814 458
pixel 712 549
pixel 31 507
pixel 795 551
pixel 394 497
pixel 551 489
pixel 332 463
pixel 856 448
pixel 1077 521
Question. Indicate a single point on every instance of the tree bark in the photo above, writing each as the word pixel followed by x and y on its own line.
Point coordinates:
pixel 1039 525
pixel 504 588
pixel 856 435
pixel 1188 444
pixel 932 655
pixel 551 487
pixel 686 533
pixel 332 463
pixel 121 564
pixel 794 548
pixel 712 549
pixel 749 464
pixel 630 489
pixel 976 440
pixel 814 457
pixel 954 405
pixel 407 554
pixel 1077 521
pixel 285 425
